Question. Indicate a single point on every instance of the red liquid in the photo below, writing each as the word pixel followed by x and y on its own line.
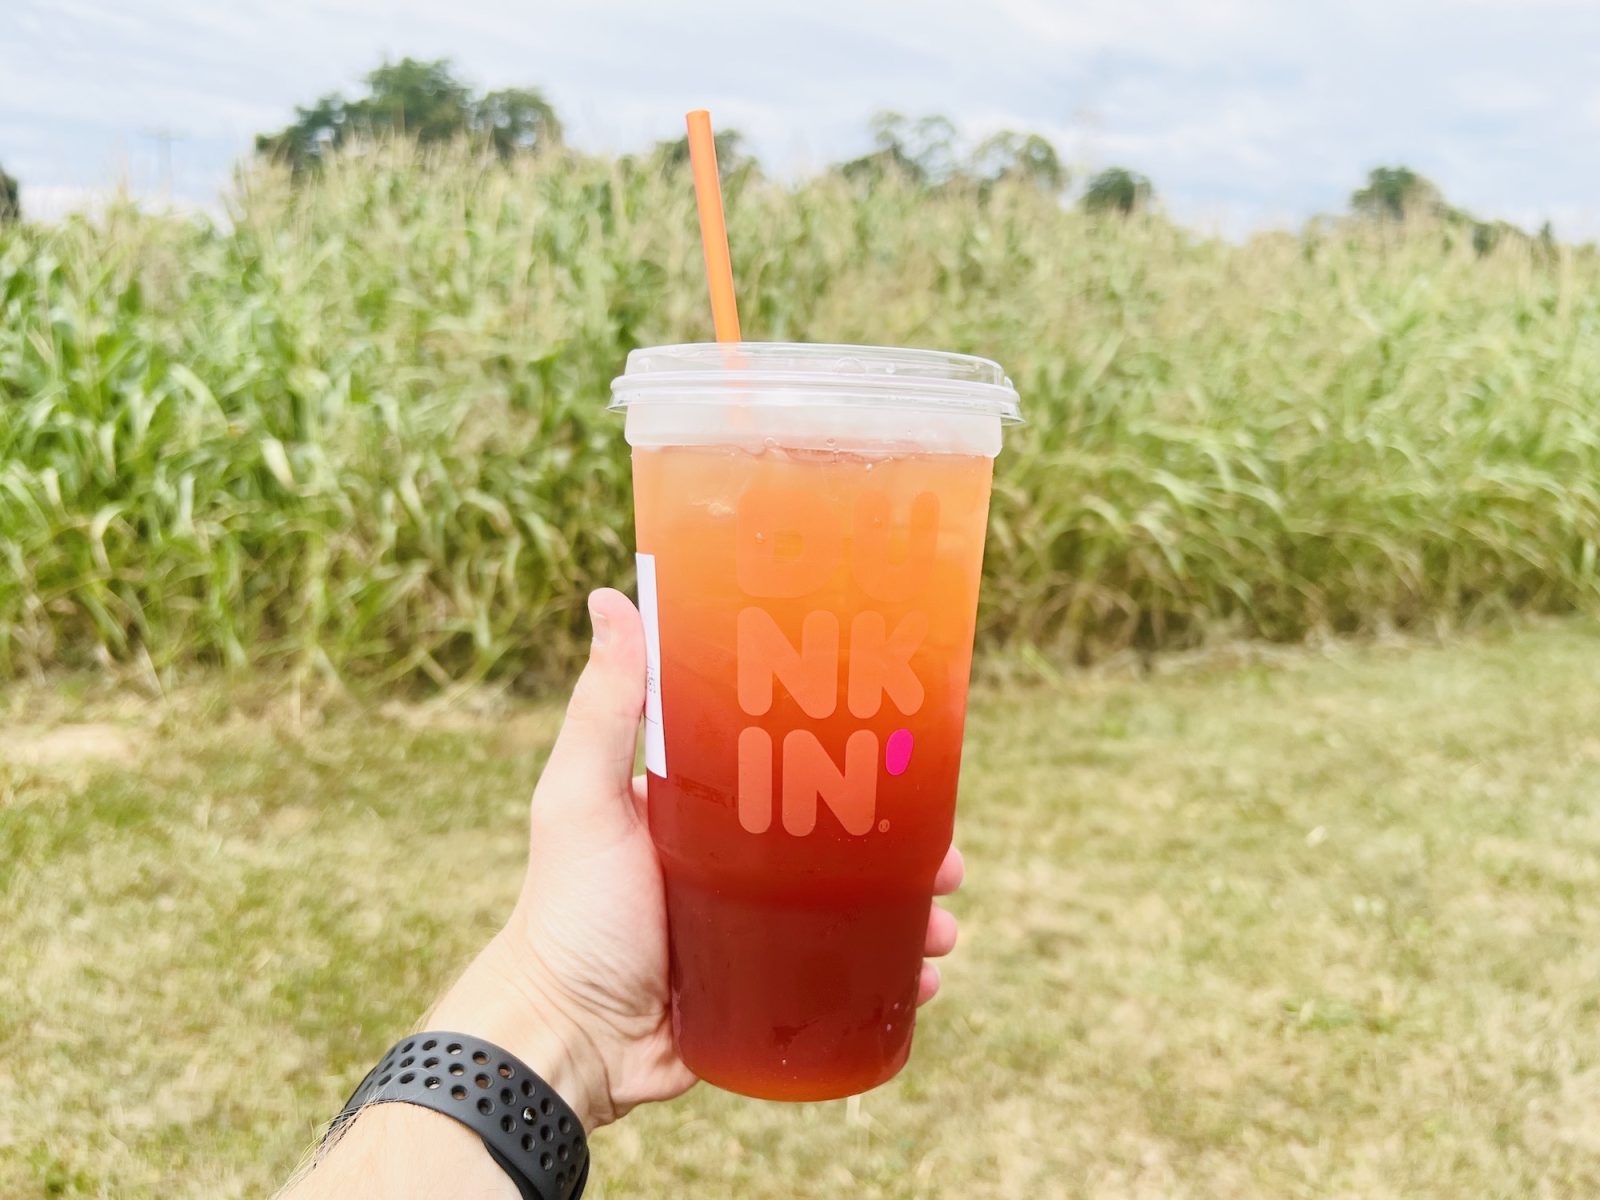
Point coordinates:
pixel 812 751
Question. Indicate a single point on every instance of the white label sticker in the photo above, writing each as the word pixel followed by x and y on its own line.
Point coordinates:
pixel 655 737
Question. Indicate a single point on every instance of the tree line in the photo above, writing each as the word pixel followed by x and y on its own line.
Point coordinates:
pixel 1395 195
pixel 427 101
pixel 423 100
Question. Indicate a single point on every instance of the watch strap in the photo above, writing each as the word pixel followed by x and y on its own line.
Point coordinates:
pixel 532 1133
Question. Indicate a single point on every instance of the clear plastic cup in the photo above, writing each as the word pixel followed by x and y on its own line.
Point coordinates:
pixel 810 526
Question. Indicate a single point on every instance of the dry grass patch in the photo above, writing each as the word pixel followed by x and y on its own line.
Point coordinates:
pixel 1327 927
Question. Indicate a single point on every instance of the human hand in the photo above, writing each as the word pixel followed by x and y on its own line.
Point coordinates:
pixel 576 983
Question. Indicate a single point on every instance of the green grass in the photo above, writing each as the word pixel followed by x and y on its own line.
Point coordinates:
pixel 359 429
pixel 1267 924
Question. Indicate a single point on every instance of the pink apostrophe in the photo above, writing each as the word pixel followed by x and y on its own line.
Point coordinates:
pixel 897 752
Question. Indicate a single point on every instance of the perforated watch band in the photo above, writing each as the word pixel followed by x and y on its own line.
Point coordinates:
pixel 529 1130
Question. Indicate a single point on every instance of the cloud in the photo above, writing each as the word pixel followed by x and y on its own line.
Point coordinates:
pixel 1253 109
pixel 54 201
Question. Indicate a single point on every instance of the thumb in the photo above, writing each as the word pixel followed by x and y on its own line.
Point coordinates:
pixel 592 761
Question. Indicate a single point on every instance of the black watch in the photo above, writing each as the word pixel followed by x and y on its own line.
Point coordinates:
pixel 529 1130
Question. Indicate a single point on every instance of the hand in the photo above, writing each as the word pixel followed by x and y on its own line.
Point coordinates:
pixel 576 983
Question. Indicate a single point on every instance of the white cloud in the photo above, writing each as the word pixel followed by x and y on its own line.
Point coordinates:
pixel 1251 109
pixel 1497 93
pixel 52 202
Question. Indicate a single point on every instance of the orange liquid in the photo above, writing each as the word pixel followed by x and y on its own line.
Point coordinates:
pixel 797 912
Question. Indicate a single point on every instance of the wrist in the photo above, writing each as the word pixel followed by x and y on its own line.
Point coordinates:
pixel 499 1000
pixel 401 1151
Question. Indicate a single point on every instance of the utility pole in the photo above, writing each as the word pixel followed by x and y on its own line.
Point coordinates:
pixel 164 137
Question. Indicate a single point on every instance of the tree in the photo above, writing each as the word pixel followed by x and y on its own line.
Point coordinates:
pixel 1395 194
pixel 732 157
pixel 1020 156
pixel 921 149
pixel 421 100
pixel 1118 190
pixel 315 132
pixel 929 152
pixel 10 198
pixel 882 164
pixel 1486 235
pixel 514 119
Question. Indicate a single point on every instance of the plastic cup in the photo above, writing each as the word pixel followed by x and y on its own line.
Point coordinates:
pixel 810 532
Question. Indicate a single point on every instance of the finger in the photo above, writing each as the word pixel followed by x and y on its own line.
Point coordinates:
pixel 928 984
pixel 941 937
pixel 951 872
pixel 593 756
pixel 641 797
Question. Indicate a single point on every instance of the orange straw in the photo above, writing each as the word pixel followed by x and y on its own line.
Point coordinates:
pixel 713 226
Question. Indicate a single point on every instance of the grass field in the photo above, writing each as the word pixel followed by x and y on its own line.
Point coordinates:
pixel 1274 924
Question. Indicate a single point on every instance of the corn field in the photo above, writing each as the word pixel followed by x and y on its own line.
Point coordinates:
pixel 358 427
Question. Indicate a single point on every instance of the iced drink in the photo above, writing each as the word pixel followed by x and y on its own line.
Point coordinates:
pixel 809 553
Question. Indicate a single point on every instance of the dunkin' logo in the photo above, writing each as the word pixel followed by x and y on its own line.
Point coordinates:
pixel 788 547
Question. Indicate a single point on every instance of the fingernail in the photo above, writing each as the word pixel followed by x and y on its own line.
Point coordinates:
pixel 602 627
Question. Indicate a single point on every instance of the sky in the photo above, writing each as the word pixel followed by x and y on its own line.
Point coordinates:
pixel 1244 113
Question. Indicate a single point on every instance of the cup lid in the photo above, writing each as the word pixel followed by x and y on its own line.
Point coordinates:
pixel 806 372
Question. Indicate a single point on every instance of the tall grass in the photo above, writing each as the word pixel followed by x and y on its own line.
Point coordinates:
pixel 359 427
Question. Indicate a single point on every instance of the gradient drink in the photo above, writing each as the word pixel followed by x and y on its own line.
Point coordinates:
pixel 810 543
